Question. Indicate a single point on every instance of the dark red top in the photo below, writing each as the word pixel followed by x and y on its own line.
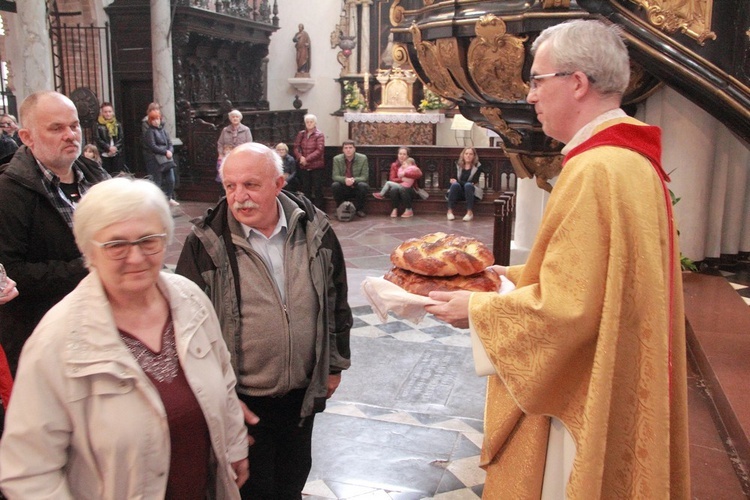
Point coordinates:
pixel 188 432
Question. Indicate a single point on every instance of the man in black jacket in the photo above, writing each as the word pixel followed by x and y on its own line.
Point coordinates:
pixel 39 190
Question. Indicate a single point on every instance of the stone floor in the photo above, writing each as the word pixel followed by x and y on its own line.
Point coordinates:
pixel 406 422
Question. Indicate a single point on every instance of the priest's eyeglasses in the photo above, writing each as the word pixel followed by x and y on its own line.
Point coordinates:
pixel 534 79
pixel 119 249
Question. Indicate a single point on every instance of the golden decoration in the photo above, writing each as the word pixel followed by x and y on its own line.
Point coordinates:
pixel 397 13
pixel 499 125
pixel 440 79
pixel 450 58
pixel 400 55
pixel 496 60
pixel 556 4
pixel 691 17
pixel 542 168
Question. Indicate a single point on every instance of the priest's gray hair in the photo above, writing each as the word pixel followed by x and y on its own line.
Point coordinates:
pixel 594 48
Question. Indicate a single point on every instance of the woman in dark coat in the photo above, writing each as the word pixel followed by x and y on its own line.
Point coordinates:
pixel 157 148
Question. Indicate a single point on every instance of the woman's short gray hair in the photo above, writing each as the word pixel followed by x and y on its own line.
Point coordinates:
pixel 310 116
pixel 591 47
pixel 234 112
pixel 117 200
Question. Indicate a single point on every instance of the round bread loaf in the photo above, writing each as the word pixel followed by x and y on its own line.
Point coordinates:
pixel 440 254
pixel 486 281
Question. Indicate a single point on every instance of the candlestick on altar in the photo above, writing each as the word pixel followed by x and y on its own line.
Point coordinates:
pixel 367 90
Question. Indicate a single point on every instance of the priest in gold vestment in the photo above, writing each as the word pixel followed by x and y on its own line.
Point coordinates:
pixel 592 339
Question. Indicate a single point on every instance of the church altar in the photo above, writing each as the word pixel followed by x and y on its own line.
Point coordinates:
pixel 393 128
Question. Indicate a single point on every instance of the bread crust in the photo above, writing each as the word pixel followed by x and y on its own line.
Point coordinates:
pixel 486 281
pixel 440 254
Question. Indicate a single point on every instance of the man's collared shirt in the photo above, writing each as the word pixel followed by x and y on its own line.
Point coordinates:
pixel 51 183
pixel 271 249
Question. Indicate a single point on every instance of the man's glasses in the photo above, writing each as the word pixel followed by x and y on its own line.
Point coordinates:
pixel 534 79
pixel 4 124
pixel 119 249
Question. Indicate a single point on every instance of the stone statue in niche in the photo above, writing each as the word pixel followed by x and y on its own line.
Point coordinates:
pixel 302 44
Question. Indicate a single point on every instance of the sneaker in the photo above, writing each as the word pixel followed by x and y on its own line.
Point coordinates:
pixel 394 213
pixel 173 203
pixel 450 215
pixel 408 213
pixel 378 196
pixel 361 213
pixel 468 217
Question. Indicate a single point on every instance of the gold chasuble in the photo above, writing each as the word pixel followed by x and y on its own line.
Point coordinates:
pixel 594 334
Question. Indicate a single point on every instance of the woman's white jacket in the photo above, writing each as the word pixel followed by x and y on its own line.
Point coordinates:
pixel 85 421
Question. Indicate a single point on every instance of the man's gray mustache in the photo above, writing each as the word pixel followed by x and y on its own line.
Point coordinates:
pixel 245 204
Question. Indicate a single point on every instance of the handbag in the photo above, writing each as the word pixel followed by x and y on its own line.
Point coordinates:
pixel 165 163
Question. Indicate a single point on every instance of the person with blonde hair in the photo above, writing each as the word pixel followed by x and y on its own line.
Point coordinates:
pixel 135 345
pixel 465 185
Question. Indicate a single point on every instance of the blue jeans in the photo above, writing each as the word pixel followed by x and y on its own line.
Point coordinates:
pixel 165 180
pixel 459 192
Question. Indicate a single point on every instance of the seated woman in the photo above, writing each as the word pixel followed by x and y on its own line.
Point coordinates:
pixel 399 193
pixel 125 389
pixel 290 168
pixel 465 187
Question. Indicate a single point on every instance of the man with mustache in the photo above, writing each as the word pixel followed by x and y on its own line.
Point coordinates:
pixel 275 273
pixel 39 190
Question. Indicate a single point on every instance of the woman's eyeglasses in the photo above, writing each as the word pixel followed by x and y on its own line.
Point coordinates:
pixel 119 249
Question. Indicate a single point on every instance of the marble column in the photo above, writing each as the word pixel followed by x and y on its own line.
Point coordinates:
pixel 29 49
pixel 161 60
pixel 364 38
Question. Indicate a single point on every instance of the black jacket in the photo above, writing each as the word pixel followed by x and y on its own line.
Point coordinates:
pixel 102 138
pixel 37 248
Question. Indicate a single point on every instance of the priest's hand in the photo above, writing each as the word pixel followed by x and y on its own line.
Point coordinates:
pixel 454 308
pixel 499 270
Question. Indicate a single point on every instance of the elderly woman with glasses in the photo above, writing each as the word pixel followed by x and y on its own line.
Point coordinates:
pixel 125 389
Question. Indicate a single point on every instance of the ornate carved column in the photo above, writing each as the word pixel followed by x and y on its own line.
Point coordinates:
pixel 161 59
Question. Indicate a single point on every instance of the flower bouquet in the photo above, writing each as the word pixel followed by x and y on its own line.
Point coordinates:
pixel 353 98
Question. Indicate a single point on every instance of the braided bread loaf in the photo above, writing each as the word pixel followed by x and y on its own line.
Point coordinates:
pixel 485 281
pixel 440 254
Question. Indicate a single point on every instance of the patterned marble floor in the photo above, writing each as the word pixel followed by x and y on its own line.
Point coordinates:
pixel 406 422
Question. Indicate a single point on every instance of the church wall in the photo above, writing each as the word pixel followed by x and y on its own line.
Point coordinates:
pixel 323 99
